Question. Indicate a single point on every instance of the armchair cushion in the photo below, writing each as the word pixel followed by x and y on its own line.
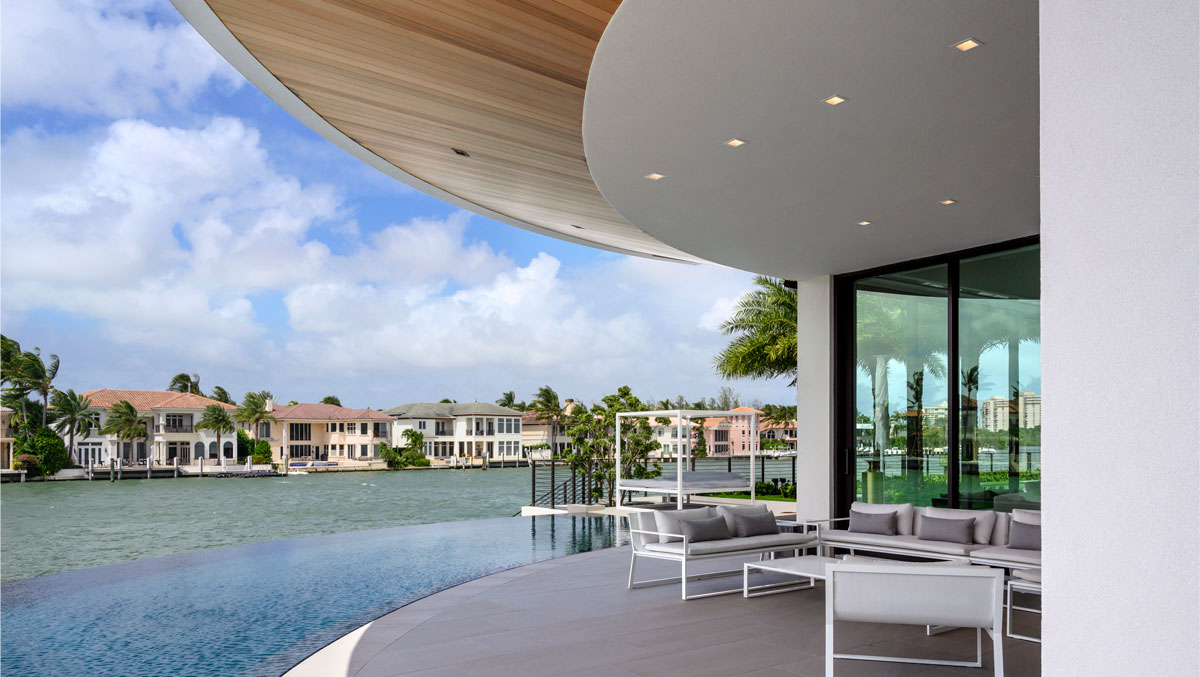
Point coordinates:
pixel 756 525
pixel 667 521
pixel 1023 536
pixel 730 512
pixel 710 529
pixel 985 521
pixel 949 530
pixel 873 523
pixel 904 513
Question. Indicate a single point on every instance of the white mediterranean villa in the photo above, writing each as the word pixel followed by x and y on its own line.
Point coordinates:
pixel 456 433
pixel 170 430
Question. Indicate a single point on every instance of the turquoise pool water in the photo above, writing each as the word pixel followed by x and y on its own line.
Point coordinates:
pixel 259 609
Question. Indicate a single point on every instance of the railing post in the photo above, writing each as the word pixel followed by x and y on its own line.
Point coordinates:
pixel 794 471
pixel 729 463
pixel 553 483
pixel 574 491
pixel 532 483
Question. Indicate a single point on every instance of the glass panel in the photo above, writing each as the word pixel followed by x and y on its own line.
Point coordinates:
pixel 901 322
pixel 1000 454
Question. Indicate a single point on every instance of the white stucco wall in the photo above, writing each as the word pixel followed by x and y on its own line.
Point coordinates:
pixel 814 418
pixel 1120 337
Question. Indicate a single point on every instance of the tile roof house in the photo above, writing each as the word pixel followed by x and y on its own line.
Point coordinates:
pixel 458 432
pixel 325 432
pixel 170 429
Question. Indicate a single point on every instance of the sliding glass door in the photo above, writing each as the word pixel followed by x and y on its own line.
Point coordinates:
pixel 939 387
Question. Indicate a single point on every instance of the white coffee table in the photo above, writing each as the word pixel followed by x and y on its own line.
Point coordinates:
pixel 811 567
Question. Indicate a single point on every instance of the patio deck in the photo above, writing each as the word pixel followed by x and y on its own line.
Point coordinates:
pixel 573 616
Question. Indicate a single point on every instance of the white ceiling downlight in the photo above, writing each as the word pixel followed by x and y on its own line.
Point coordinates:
pixel 834 100
pixel 967 45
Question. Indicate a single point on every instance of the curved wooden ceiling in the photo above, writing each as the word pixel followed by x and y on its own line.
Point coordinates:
pixel 413 80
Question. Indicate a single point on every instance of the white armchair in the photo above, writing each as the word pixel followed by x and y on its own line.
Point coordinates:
pixel 916 594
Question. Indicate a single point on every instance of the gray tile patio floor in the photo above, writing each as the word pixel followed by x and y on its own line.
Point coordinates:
pixel 573 616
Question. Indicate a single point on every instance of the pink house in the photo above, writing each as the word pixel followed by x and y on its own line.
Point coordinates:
pixel 729 436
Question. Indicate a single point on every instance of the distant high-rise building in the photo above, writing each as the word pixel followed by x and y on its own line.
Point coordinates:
pixel 993 412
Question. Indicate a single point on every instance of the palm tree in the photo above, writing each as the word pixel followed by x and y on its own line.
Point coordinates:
pixel 186 383
pixel 217 419
pixel 764 325
pixel 222 395
pixel 38 376
pixel 331 399
pixel 508 399
pixel 73 416
pixel 548 408
pixel 253 412
pixel 11 374
pixel 125 423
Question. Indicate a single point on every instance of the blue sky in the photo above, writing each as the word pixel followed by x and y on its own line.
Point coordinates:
pixel 161 215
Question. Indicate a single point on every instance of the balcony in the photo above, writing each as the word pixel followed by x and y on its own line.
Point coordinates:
pixel 183 428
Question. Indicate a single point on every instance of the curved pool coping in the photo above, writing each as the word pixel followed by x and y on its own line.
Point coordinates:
pixel 335 658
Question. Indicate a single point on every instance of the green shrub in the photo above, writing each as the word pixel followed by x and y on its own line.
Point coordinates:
pixel 413 459
pixel 262 452
pixel 28 463
pixel 243 445
pixel 48 448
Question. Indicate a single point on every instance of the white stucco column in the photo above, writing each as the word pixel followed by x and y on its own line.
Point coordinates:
pixel 1120 293
pixel 814 399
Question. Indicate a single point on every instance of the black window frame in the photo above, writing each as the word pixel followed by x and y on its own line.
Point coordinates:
pixel 844 342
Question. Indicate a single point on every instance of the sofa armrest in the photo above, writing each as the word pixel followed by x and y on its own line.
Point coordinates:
pixel 827 522
pixel 656 533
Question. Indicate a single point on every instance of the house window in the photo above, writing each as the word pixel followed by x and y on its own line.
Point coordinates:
pixel 362 450
pixel 721 435
pixel 300 432
pixel 420 425
pixel 517 426
pixel 491 427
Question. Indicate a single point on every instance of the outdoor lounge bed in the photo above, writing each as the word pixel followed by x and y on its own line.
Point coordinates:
pixel 990 545
pixel 693 483
pixel 655 534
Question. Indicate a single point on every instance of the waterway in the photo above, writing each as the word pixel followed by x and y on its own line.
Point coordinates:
pixel 51 527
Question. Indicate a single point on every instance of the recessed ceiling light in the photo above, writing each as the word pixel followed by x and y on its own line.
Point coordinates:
pixel 967 45
pixel 864 223
pixel 575 226
pixel 834 100
pixel 654 176
pixel 947 202
pixel 734 143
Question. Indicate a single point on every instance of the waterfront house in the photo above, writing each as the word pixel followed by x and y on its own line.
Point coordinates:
pixel 781 435
pixel 170 419
pixel 6 439
pixel 729 436
pixel 536 432
pixel 461 433
pixel 953 190
pixel 324 432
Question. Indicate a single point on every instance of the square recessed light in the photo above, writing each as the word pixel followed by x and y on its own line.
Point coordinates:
pixel 575 226
pixel 864 223
pixel 834 100
pixel 947 202
pixel 734 143
pixel 967 45
pixel 654 176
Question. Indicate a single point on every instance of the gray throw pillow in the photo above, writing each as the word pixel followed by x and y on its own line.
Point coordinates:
pixel 667 521
pixel 873 523
pixel 755 525
pixel 1024 536
pixel 951 531
pixel 711 529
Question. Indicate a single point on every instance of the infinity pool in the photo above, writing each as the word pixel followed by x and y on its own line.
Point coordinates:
pixel 259 609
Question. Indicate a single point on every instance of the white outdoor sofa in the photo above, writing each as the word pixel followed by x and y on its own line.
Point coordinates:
pixel 990 546
pixel 648 542
pixel 916 594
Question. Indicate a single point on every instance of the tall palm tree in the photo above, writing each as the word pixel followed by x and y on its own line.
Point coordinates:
pixel 185 383
pixel 508 398
pixel 11 375
pixel 73 416
pixel 764 330
pixel 38 376
pixel 253 412
pixel 549 408
pixel 217 419
pixel 222 395
pixel 125 423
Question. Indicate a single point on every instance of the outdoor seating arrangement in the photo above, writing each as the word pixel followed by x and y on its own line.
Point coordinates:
pixel 707 533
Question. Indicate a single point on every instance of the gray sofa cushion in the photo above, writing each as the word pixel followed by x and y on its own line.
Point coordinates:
pixel 729 512
pixel 1031 575
pixel 711 529
pixel 667 521
pixel 755 525
pixel 1024 536
pixel 904 514
pixel 873 523
pixel 1027 516
pixel 1006 555
pixel 951 531
pixel 985 520
pixel 756 543
pixel 849 539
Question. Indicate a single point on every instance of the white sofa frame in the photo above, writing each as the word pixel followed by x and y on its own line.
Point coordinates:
pixel 934 611
pixel 1029 587
pixel 684 557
